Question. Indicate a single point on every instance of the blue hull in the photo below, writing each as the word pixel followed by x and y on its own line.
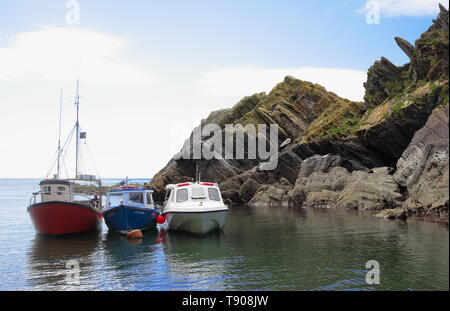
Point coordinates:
pixel 125 218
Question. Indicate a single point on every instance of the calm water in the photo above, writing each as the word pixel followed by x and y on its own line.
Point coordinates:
pixel 259 249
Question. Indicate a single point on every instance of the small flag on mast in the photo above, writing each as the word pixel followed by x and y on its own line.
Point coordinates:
pixel 83 135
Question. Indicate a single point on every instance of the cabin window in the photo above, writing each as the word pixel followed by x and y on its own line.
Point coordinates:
pixel 198 193
pixel 149 199
pixel 60 190
pixel 182 195
pixel 213 194
pixel 115 199
pixel 47 190
pixel 168 193
pixel 136 198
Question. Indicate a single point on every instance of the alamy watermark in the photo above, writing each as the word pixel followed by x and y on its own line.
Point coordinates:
pixel 373 275
pixel 73 15
pixel 73 272
pixel 235 142
pixel 372 9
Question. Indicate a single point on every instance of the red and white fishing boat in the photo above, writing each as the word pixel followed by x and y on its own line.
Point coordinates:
pixel 56 209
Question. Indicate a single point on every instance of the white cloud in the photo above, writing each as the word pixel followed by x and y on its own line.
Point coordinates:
pixel 57 53
pixel 394 8
pixel 240 82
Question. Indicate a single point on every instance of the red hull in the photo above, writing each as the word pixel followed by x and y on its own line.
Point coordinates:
pixel 63 217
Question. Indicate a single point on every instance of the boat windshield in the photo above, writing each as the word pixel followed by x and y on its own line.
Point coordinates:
pixel 198 193
pixel 213 194
pixel 136 198
pixel 115 199
pixel 149 199
pixel 182 195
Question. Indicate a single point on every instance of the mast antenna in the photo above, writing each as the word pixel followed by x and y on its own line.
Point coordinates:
pixel 197 173
pixel 59 135
pixel 77 126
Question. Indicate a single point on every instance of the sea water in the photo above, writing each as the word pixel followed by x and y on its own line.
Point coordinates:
pixel 263 248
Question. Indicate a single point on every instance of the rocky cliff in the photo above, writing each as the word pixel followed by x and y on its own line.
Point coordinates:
pixel 388 152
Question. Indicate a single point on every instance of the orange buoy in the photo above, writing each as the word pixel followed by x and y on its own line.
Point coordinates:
pixel 135 241
pixel 134 235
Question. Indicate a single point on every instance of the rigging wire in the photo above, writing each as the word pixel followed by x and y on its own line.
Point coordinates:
pixel 90 157
pixel 52 166
pixel 65 167
pixel 93 162
pixel 61 154
pixel 69 138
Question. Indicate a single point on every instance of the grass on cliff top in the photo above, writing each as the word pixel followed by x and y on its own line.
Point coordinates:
pixel 346 118
pixel 397 85
pixel 289 98
pixel 395 107
pixel 341 118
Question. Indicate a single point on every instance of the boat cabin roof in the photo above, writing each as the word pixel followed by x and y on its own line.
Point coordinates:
pixel 130 190
pixel 186 184
pixel 55 182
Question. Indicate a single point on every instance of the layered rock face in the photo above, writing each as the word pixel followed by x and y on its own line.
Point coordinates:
pixel 424 169
pixel 388 152
pixel 292 105
pixel 323 181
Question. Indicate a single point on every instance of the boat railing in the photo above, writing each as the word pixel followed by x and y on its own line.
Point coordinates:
pixel 88 201
pixel 33 197
pixel 81 195
pixel 36 196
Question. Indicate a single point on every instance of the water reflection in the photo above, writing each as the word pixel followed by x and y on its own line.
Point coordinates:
pixel 196 248
pixel 263 248
pixel 195 262
pixel 50 248
pixel 48 256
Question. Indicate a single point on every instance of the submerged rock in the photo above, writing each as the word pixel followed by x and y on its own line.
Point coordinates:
pixel 274 194
pixel 334 179
pixel 396 213
pixel 325 198
pixel 355 190
pixel 375 190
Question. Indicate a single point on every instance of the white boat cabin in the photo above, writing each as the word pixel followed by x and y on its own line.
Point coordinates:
pixel 56 190
pixel 63 190
pixel 190 193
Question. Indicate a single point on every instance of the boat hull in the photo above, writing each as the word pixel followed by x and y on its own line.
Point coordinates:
pixel 123 218
pixel 196 222
pixel 57 218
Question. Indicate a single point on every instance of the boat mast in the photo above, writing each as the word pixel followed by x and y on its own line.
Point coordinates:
pixel 59 136
pixel 77 126
pixel 196 172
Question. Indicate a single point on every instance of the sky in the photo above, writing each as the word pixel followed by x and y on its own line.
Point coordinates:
pixel 149 71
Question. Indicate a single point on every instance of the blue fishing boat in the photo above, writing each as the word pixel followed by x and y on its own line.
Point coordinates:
pixel 128 208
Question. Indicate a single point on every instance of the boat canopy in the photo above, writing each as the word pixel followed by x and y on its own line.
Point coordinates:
pixel 86 177
pixel 130 190
pixel 170 186
pixel 129 197
pixel 184 184
pixel 55 182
